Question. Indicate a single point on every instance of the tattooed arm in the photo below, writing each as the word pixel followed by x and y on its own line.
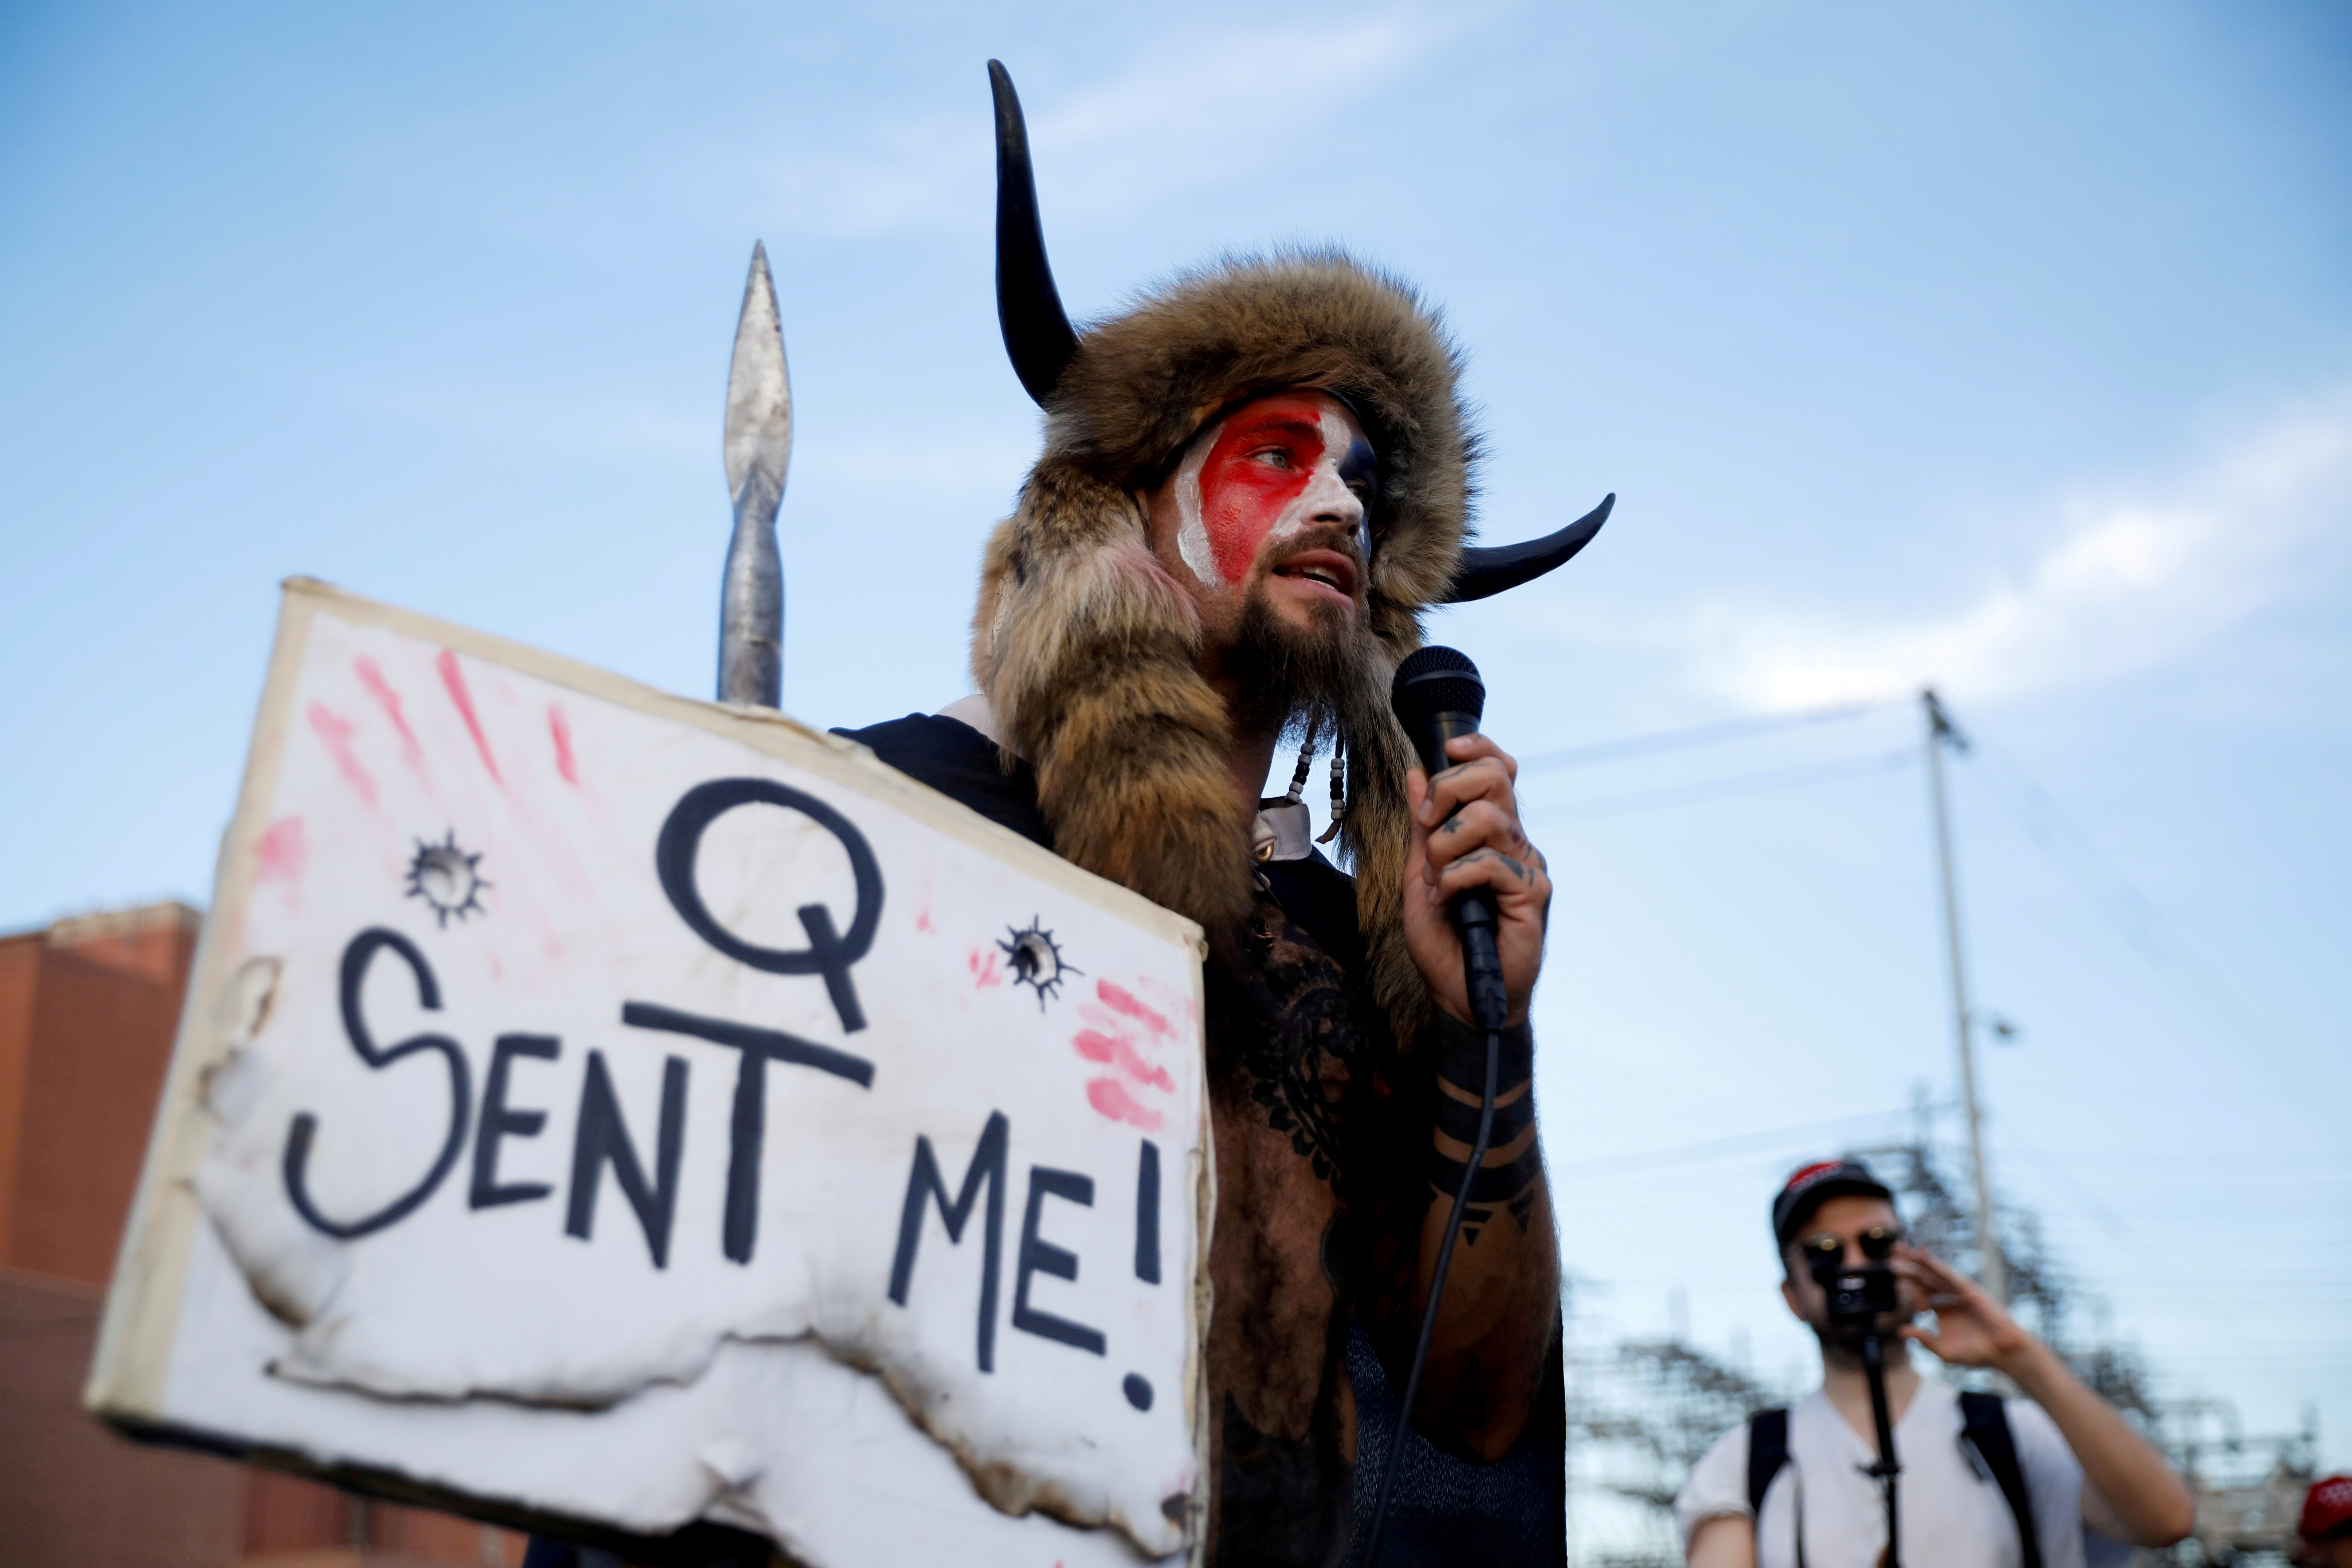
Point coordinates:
pixel 1502 1296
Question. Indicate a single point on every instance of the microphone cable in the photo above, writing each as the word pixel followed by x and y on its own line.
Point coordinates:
pixel 1436 1295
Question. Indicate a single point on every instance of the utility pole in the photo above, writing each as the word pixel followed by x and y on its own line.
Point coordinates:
pixel 1942 732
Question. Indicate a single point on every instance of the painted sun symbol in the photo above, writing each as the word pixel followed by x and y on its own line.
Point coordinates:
pixel 1037 962
pixel 446 879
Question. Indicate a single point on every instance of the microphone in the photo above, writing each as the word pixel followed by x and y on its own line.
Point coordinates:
pixel 1437 696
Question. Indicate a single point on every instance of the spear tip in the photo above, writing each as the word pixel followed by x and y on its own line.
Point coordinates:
pixel 759 439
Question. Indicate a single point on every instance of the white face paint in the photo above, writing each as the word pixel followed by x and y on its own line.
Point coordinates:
pixel 1269 471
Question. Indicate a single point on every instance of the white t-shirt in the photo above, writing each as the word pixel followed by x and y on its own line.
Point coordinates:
pixel 1951 1510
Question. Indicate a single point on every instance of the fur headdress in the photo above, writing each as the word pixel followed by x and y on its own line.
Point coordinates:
pixel 1088 648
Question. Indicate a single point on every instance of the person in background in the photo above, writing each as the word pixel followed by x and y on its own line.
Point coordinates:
pixel 1986 1482
pixel 2326 1525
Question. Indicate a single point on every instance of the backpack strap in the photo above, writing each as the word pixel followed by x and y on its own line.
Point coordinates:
pixel 1768 1450
pixel 1984 1425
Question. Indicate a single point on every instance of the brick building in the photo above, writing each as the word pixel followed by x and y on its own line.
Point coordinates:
pixel 87 1008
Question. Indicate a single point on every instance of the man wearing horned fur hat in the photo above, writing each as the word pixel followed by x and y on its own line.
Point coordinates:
pixel 1253 483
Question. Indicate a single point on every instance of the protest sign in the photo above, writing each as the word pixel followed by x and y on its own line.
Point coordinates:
pixel 598 1106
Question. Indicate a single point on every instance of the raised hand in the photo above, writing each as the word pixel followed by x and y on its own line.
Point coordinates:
pixel 1971 1328
pixel 1467 833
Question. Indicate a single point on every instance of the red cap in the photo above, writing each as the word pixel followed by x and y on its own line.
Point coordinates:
pixel 2326 1508
pixel 1813 1185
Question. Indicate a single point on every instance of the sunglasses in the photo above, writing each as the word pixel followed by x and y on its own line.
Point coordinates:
pixel 1878 1244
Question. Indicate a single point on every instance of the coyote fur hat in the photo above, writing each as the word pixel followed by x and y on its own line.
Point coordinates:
pixel 1087 647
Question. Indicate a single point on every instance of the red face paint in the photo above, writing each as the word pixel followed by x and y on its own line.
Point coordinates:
pixel 1272 466
pixel 1256 467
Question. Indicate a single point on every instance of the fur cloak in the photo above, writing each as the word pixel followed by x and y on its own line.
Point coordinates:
pixel 1087 647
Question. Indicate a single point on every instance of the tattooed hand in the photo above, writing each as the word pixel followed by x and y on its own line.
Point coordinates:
pixel 1467 833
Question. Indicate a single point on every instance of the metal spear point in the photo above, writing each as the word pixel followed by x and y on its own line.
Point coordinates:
pixel 758 451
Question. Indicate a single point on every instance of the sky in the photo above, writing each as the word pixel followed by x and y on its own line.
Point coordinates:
pixel 2000 348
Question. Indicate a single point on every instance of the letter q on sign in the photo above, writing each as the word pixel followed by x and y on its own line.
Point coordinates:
pixel 831 950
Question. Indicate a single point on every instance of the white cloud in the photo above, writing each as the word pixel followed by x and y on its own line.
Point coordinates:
pixel 1185 109
pixel 2135 575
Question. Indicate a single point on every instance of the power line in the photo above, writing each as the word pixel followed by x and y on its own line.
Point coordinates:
pixel 2036 814
pixel 2218 1294
pixel 1717 1148
pixel 2030 807
pixel 2108 1219
pixel 1696 735
pixel 1742 783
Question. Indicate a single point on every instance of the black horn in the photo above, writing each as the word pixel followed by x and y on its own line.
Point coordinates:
pixel 1037 330
pixel 1485 573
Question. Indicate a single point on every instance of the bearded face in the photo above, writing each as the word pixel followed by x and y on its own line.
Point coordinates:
pixel 1266 520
